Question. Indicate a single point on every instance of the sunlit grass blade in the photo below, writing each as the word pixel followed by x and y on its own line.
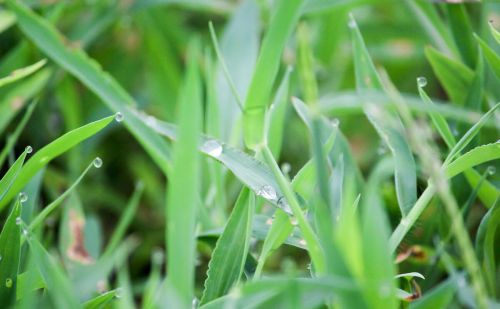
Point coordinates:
pixel 21 73
pixel 49 40
pixel 10 251
pixel 184 186
pixel 228 258
pixel 52 150
pixel 285 16
pixel 58 284
pixel 12 139
pixel 388 126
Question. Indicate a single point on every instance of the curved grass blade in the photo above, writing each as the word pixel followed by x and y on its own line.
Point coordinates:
pixel 284 19
pixel 10 253
pixel 21 73
pixel 388 126
pixel 101 301
pixel 226 265
pixel 476 156
pixel 11 175
pixel 184 186
pixel 52 150
pixel 75 61
pixel 58 284
pixel 12 139
pixel 491 56
pixel 486 246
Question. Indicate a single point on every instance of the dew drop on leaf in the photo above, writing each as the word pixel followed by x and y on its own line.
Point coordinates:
pixel 267 192
pixel 421 81
pixel 97 162
pixel 119 117
pixel 213 148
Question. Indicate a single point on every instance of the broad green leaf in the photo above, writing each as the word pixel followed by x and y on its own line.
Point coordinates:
pixel 52 150
pixel 75 61
pixel 184 185
pixel 455 77
pixel 388 126
pixel 229 255
pixel 285 16
pixel 21 73
pixel 101 301
pixel 58 285
pixel 476 156
pixel 10 253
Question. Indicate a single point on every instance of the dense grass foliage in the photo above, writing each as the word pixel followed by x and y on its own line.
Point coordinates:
pixel 249 154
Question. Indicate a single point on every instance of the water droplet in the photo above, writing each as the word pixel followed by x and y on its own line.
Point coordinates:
pixel 286 168
pixel 23 197
pixel 213 148
pixel 25 233
pixel 294 221
pixel 28 149
pixel 491 170
pixel 335 122
pixel 267 192
pixel 97 162
pixel 8 283
pixel 158 257
pixel 404 222
pixel 119 117
pixel 269 221
pixel 421 81
pixel 195 302
pixel 119 293
pixel 302 242
pixel 1 257
pixel 19 221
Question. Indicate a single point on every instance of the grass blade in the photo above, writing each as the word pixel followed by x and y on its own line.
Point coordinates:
pixel 21 73
pixel 9 178
pixel 52 150
pixel 183 187
pixel 101 301
pixel 286 15
pixel 10 251
pixel 226 265
pixel 476 156
pixel 75 61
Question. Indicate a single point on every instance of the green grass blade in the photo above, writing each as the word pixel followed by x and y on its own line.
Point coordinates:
pixel 388 126
pixel 21 73
pixel 58 284
pixel 476 156
pixel 485 244
pixel 183 187
pixel 286 15
pixel 439 121
pixel 439 297
pixel 491 56
pixel 101 301
pixel 12 139
pixel 49 40
pixel 52 150
pixel 10 251
pixel 11 175
pixel 462 32
pixel 20 94
pixel 277 116
pixel 495 33
pixel 455 77
pixel 125 219
pixel 52 206
pixel 228 258
pixel 469 135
